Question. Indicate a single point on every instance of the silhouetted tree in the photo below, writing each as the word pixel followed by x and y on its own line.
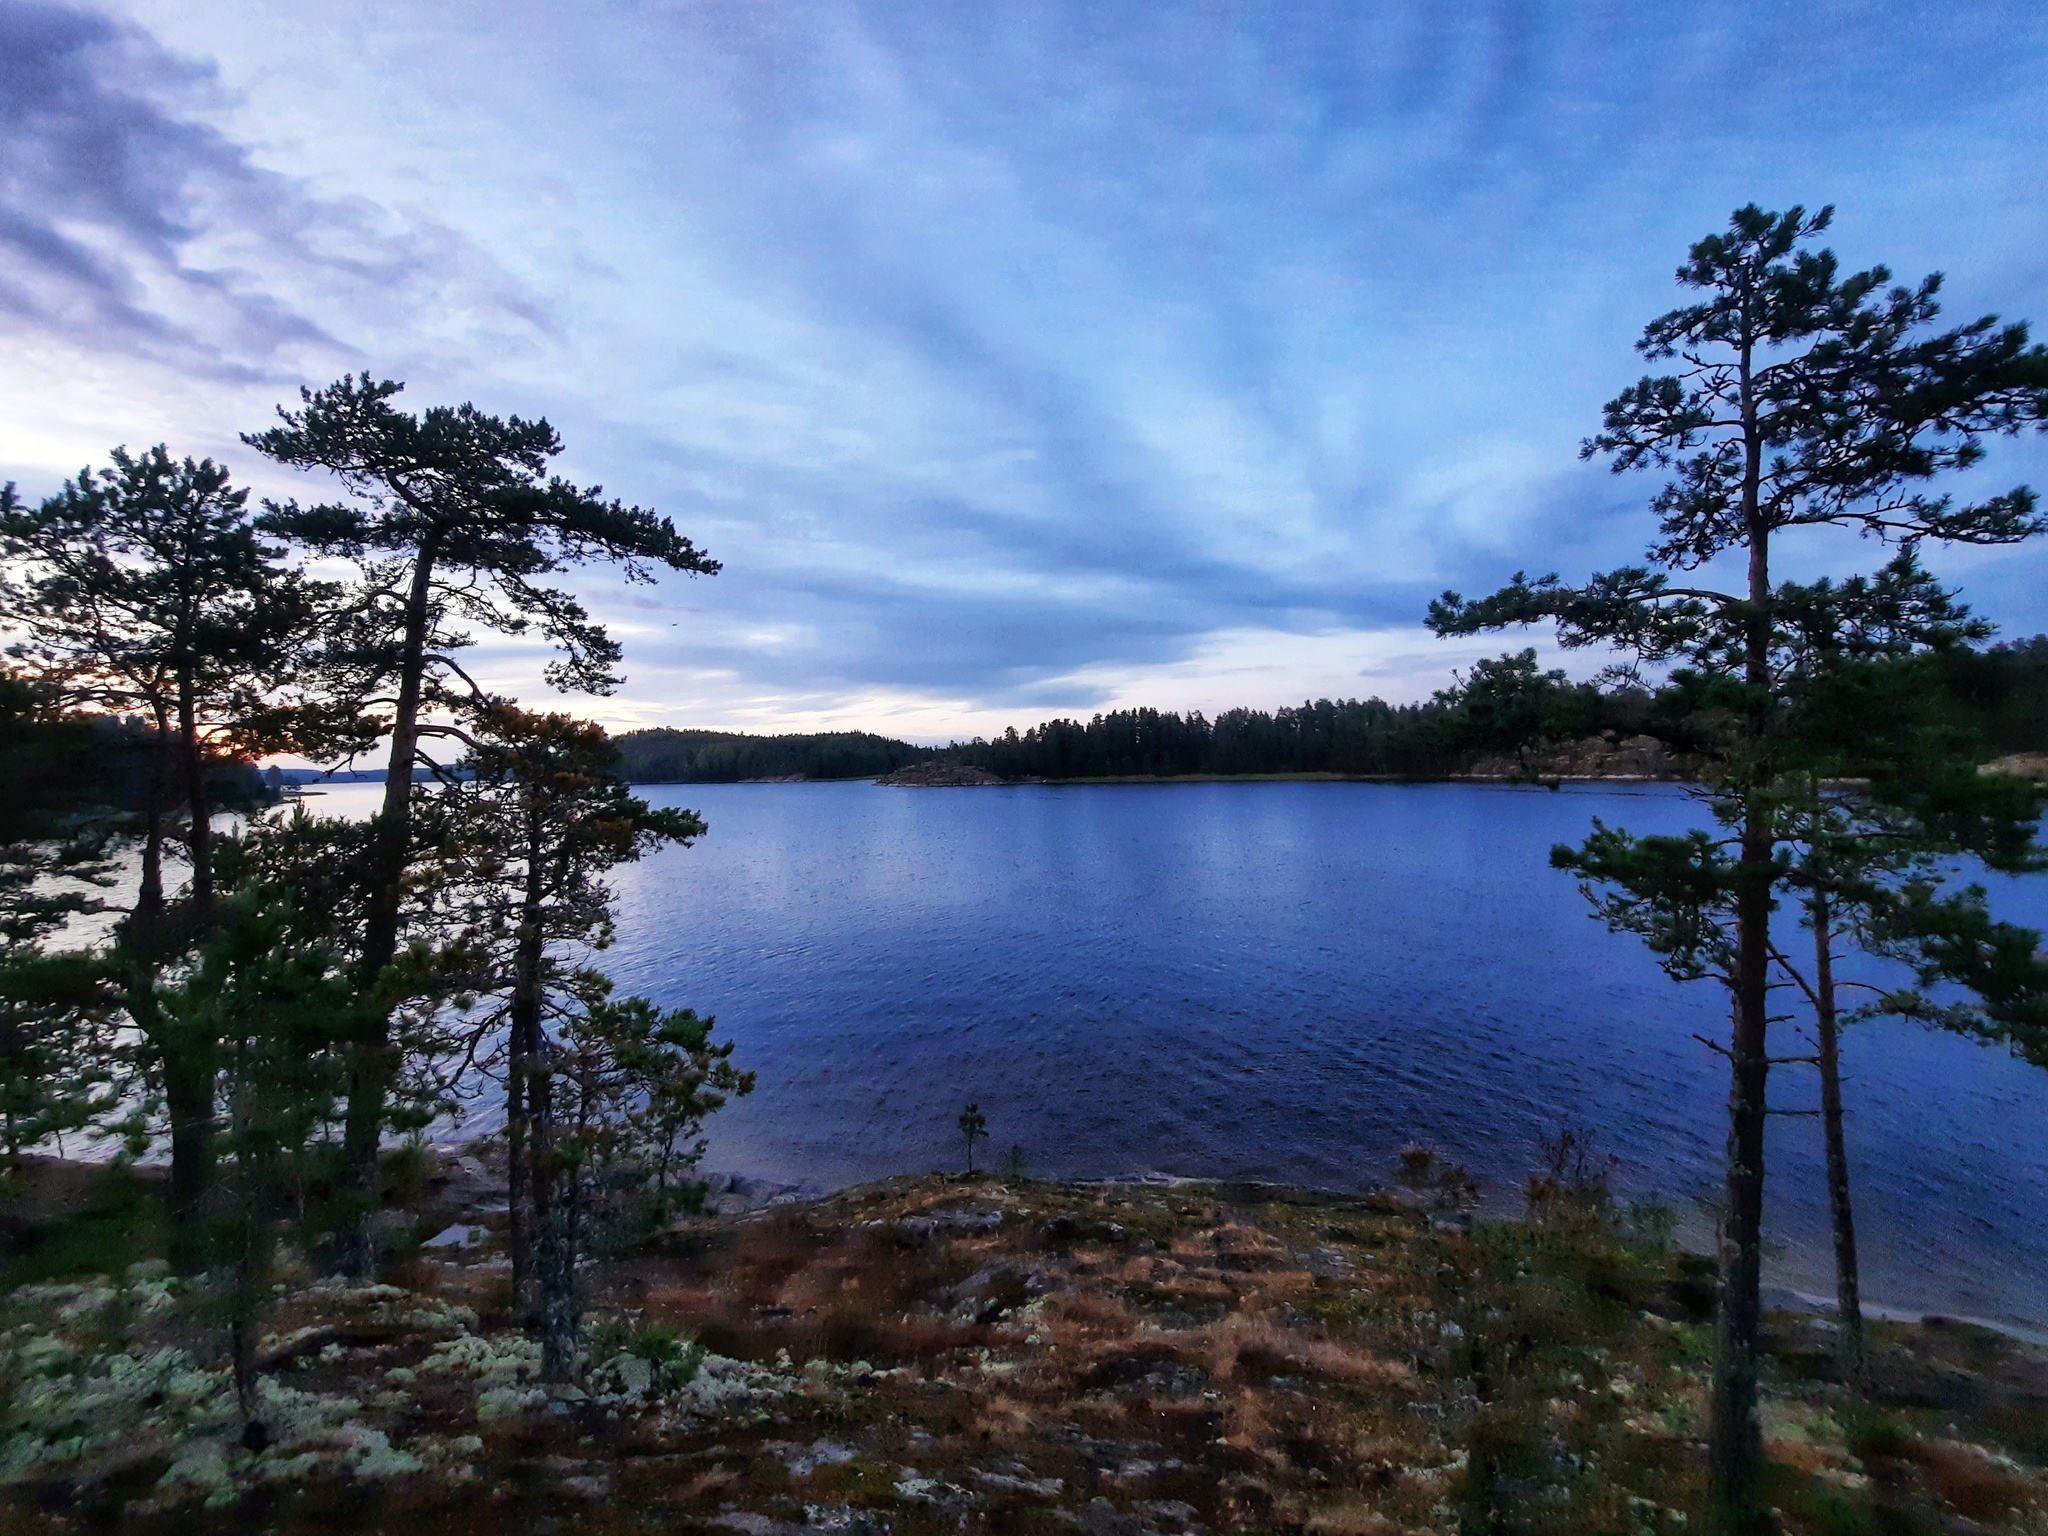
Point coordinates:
pixel 1801 398
pixel 144 587
pixel 452 519
pixel 273 991
pixel 974 1126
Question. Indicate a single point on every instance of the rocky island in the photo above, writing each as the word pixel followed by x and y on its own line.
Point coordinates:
pixel 940 775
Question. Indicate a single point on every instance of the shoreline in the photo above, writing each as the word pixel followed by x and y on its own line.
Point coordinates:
pixel 467 1181
pixel 1509 780
pixel 1130 1357
pixel 736 1194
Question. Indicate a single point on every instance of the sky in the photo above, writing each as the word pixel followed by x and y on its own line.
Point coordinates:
pixel 1016 360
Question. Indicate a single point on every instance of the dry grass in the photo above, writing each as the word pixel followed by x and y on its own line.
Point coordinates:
pixel 1044 1359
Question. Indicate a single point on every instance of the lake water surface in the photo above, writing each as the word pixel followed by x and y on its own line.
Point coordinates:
pixel 1285 981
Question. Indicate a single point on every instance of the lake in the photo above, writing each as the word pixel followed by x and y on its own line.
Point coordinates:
pixel 1286 981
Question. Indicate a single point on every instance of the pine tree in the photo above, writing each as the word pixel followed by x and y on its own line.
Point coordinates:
pixel 662 1075
pixel 144 587
pixel 1801 398
pixel 56 823
pixel 538 816
pixel 452 519
pixel 620 1093
pixel 271 987
pixel 973 1126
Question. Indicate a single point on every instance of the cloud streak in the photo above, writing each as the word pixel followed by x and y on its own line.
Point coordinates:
pixel 1011 358
pixel 129 223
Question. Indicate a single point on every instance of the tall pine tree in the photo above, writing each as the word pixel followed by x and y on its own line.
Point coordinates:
pixel 1798 397
pixel 453 520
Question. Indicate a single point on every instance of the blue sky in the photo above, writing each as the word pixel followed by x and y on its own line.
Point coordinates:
pixel 1017 360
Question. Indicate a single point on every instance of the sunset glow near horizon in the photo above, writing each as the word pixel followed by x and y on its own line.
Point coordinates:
pixel 1016 361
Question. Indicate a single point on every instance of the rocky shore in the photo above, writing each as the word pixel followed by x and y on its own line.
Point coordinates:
pixel 953 1354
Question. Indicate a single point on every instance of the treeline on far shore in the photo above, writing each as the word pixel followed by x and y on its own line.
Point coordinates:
pixel 1998 694
pixel 106 759
pixel 663 756
pixel 2002 693
pixel 1346 736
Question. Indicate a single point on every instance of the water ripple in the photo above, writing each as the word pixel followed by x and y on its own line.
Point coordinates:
pixel 1283 981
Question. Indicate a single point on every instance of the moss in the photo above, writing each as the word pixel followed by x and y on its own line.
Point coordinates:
pixel 1027 1358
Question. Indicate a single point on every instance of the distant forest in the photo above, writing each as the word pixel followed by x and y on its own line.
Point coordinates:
pixel 726 757
pixel 2001 693
pixel 1350 736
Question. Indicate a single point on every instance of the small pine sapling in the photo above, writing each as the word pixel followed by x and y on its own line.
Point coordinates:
pixel 974 1126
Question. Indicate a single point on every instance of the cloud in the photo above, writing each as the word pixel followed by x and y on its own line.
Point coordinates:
pixel 130 224
pixel 1011 358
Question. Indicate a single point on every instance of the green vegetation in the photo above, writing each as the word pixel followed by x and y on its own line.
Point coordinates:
pixel 275 1003
pixel 452 520
pixel 928 1352
pixel 1801 399
pixel 1348 736
pixel 1503 717
pixel 2000 693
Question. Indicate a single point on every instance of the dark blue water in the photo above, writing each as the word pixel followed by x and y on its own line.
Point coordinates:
pixel 1282 981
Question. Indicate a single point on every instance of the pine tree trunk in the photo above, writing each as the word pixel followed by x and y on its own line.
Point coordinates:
pixel 251 1282
pixel 199 837
pixel 188 1079
pixel 371 1068
pixel 187 1075
pixel 518 1168
pixel 149 899
pixel 557 1316
pixel 1735 1439
pixel 1848 1285
pixel 189 1064
pixel 188 1095
pixel 525 1092
pixel 253 1189
pixel 554 1315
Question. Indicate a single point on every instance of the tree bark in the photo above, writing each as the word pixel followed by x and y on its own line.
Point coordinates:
pixel 553 1317
pixel 558 1321
pixel 199 811
pixel 149 899
pixel 371 1069
pixel 1848 1283
pixel 525 1086
pixel 252 1281
pixel 1735 1441
pixel 188 1095
pixel 254 1189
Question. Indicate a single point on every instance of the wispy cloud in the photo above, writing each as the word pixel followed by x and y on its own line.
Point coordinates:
pixel 1013 358
pixel 130 224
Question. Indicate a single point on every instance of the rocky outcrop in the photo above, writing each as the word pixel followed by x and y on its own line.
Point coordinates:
pixel 1636 757
pixel 1135 1357
pixel 939 776
pixel 2027 765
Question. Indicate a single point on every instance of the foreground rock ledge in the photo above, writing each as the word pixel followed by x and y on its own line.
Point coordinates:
pixel 945 1354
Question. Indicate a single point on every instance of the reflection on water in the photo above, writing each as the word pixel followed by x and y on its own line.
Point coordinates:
pixel 1280 981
